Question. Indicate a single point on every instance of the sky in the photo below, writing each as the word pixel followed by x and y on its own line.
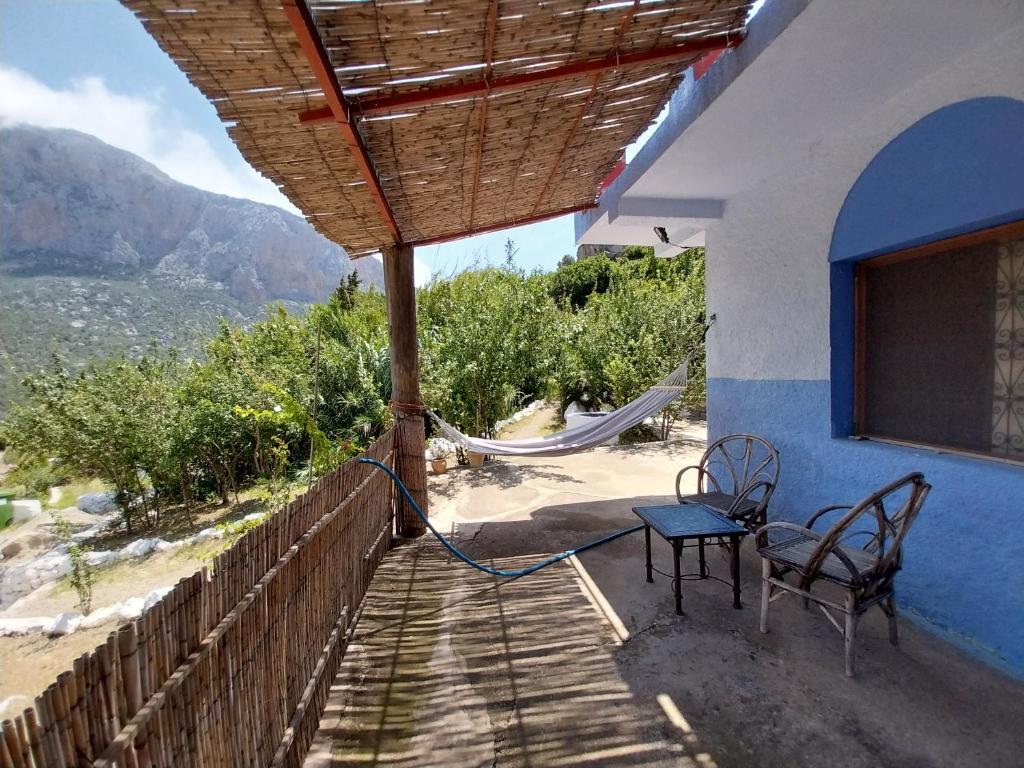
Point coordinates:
pixel 90 66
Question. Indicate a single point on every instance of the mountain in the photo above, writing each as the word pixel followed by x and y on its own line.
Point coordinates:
pixel 101 252
pixel 71 205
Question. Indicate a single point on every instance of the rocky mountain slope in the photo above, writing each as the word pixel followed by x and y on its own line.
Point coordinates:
pixel 100 252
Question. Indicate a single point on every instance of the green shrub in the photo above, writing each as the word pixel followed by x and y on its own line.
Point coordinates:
pixel 488 342
pixel 628 338
pixel 82 576
pixel 37 476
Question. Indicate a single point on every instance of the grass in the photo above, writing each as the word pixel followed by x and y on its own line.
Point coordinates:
pixel 68 494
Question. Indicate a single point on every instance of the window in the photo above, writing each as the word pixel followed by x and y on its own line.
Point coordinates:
pixel 939 355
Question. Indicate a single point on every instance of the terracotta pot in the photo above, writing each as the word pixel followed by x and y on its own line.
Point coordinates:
pixel 439 466
pixel 475 459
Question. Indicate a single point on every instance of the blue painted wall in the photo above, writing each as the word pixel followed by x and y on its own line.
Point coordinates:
pixel 958 169
pixel 964 566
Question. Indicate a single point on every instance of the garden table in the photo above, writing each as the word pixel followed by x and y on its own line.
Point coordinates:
pixel 679 523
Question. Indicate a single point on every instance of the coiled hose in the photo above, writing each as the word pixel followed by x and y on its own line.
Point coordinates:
pixel 509 574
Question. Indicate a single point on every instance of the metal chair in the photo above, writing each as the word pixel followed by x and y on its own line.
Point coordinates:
pixel 736 476
pixel 866 573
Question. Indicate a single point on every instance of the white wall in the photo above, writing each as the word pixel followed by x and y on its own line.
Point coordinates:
pixel 767 263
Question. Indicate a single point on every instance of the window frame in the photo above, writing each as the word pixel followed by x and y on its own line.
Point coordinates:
pixel 1011 231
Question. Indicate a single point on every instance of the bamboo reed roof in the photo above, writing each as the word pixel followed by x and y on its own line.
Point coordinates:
pixel 491 148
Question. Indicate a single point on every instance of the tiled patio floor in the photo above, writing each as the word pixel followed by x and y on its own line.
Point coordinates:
pixel 586 664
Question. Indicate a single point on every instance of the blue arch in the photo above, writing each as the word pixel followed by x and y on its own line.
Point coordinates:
pixel 956 170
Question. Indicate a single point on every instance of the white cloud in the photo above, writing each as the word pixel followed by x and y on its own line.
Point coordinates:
pixel 134 124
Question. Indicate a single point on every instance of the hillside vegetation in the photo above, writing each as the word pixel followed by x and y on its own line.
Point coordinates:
pixel 295 394
pixel 83 318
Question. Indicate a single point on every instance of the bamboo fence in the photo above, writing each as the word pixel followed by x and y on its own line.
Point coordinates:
pixel 232 667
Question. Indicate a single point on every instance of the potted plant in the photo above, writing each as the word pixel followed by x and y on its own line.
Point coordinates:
pixel 438 453
pixel 475 459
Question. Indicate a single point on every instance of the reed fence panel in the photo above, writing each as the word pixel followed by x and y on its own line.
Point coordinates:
pixel 233 666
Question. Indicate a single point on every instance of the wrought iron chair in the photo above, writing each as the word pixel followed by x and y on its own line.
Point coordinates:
pixel 736 476
pixel 867 573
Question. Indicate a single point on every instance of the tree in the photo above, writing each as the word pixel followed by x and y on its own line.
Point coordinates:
pixel 486 341
pixel 82 576
pixel 629 337
pixel 112 421
pixel 574 283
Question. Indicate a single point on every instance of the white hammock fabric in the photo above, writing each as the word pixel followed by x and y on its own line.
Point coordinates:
pixel 603 428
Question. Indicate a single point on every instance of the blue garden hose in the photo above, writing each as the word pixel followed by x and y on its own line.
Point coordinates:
pixel 486 568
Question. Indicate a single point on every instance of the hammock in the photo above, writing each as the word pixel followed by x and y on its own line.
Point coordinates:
pixel 604 426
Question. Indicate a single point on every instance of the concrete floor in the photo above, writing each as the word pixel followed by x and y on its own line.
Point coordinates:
pixel 584 663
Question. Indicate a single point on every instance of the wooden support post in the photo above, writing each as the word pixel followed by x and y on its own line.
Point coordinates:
pixel 410 455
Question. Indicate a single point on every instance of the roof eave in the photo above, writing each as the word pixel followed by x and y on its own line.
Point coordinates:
pixel 691 100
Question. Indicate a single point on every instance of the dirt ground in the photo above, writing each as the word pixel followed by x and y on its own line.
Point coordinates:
pixel 584 663
pixel 28 664
pixel 543 421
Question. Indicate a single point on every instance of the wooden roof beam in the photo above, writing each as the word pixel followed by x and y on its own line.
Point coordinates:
pixel 338 107
pixel 423 97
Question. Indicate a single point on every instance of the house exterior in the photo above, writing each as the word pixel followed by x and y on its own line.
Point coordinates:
pixel 839 132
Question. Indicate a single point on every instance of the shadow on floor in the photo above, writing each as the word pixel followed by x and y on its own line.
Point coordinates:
pixel 586 664
pixel 498 473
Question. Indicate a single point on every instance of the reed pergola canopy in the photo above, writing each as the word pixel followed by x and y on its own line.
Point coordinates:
pixel 417 121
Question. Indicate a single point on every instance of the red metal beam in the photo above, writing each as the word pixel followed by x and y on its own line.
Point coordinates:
pixel 503 225
pixel 384 104
pixel 492 28
pixel 305 29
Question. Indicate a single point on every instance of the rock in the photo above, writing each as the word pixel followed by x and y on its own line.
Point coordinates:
pixel 103 615
pixel 132 608
pixel 102 558
pixel 50 567
pixel 156 596
pixel 26 509
pixel 143 547
pixel 208 533
pixel 10 706
pixel 70 621
pixel 32 625
pixel 518 416
pixel 138 548
pixel 98 503
pixel 11 549
pixel 93 530
pixel 64 623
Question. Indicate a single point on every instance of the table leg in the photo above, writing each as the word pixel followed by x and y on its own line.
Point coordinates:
pixel 677 552
pixel 704 571
pixel 647 541
pixel 735 568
